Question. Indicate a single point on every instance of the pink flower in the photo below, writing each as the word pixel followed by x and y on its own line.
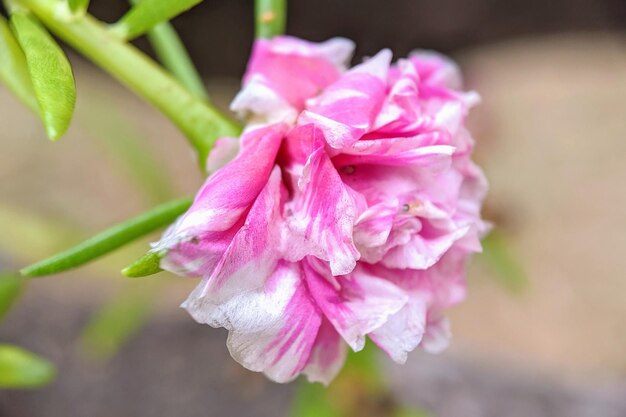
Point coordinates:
pixel 349 212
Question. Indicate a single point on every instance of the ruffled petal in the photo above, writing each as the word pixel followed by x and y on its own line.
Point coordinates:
pixel 374 225
pixel 230 192
pixel 361 304
pixel 422 252
pixel 423 157
pixel 261 104
pixel 328 355
pixel 404 331
pixel 437 336
pixel 195 256
pixel 254 251
pixel 347 109
pixel 272 329
pixel 284 72
pixel 324 212
pixel 436 69
pixel 196 243
pixel 420 322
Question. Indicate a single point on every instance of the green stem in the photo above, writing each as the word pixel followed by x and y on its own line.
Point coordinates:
pixel 173 55
pixel 271 16
pixel 198 120
pixel 110 239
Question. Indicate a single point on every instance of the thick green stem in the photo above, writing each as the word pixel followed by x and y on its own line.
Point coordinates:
pixel 270 16
pixel 198 120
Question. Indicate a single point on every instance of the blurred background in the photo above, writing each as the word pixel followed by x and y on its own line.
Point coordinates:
pixel 543 330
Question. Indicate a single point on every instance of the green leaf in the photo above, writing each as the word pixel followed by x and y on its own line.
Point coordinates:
pixel 115 324
pixel 508 270
pixel 149 13
pixel 13 69
pixel 22 369
pixel 11 286
pixel 78 6
pixel 148 264
pixel 50 72
pixel 110 239
pixel 270 17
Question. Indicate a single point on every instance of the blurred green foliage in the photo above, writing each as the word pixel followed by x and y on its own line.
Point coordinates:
pixel 497 254
pixel 115 323
pixel 121 139
pixel 22 369
pixel 11 286
pixel 360 390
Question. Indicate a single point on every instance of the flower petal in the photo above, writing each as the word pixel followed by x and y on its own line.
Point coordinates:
pixel 347 109
pixel 362 304
pixel 254 251
pixel 195 256
pixel 328 355
pixel 403 332
pixel 422 252
pixel 324 212
pixel 284 71
pixel 436 69
pixel 272 329
pixel 374 225
pixel 197 241
pixel 437 336
pixel 230 192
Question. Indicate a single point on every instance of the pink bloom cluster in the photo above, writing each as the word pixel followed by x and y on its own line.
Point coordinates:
pixel 350 210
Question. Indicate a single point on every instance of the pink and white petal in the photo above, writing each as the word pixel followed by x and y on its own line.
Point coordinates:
pixel 296 70
pixel 224 151
pixel 376 66
pixel 254 251
pixel 337 51
pixel 324 212
pixel 363 304
pixel 196 257
pixel 375 181
pixel 373 226
pixel 389 146
pixel 328 355
pixel 403 229
pixel 436 157
pixel 272 329
pixel 422 252
pixel 404 331
pixel 437 336
pixel 447 280
pixel 436 69
pixel 230 192
pixel 259 103
pixel 347 109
